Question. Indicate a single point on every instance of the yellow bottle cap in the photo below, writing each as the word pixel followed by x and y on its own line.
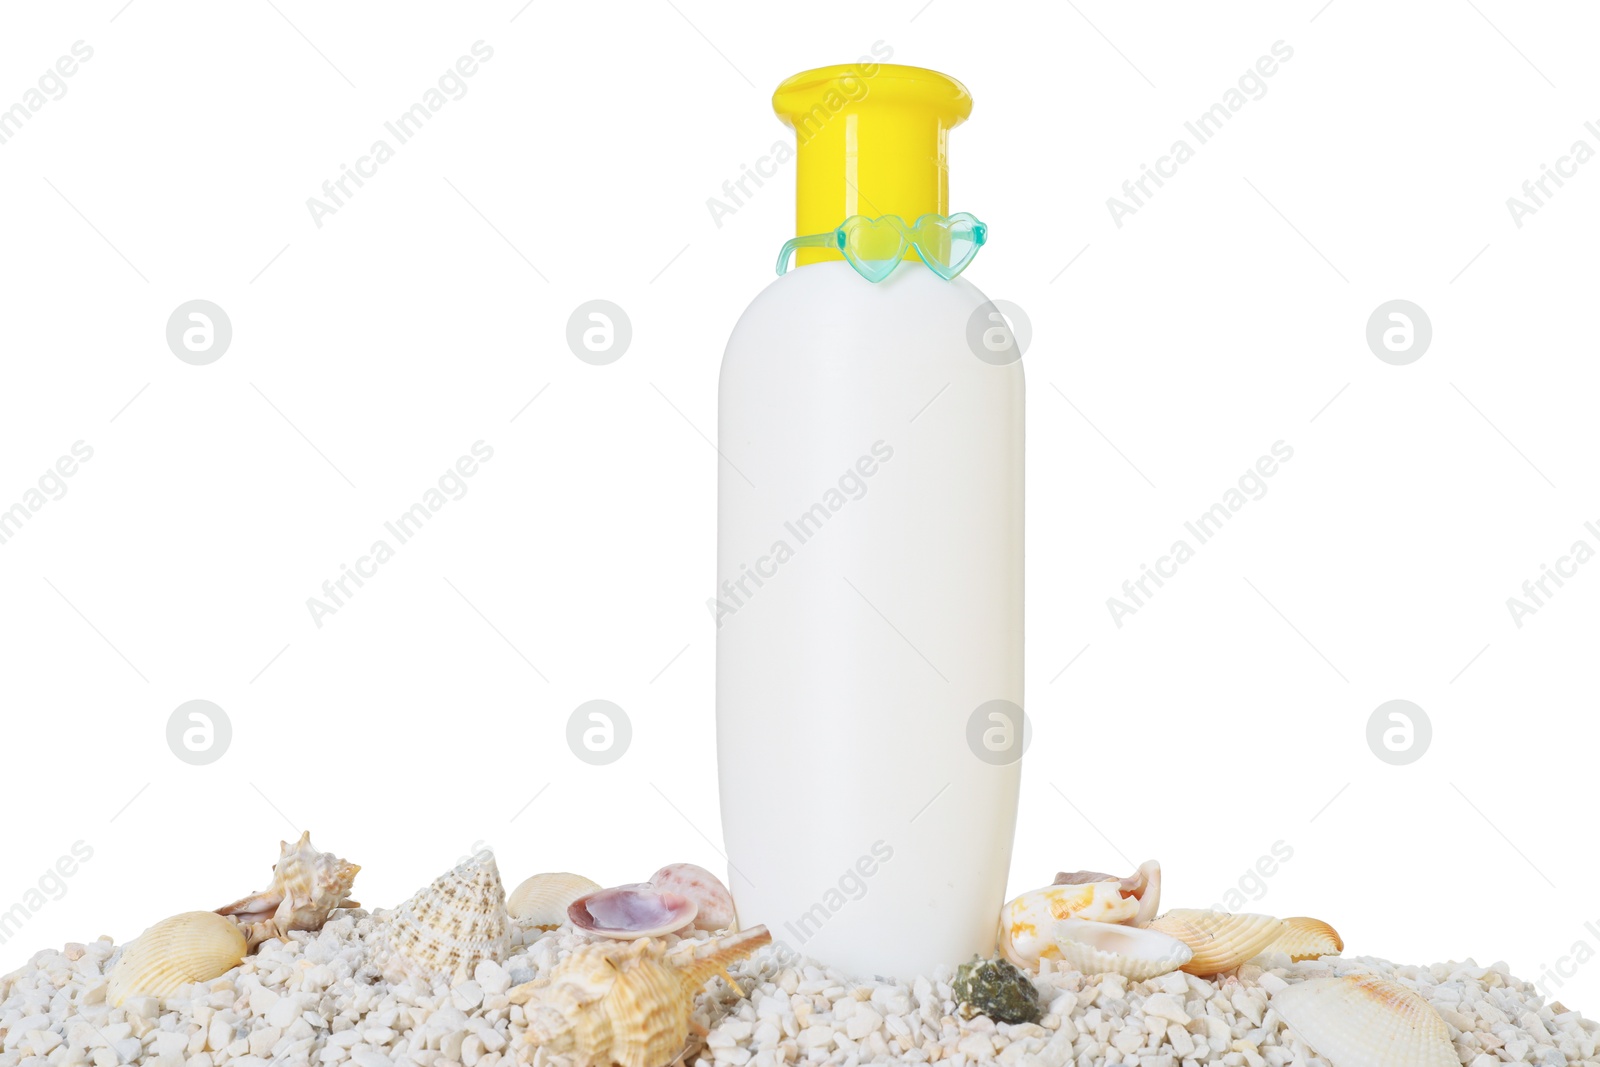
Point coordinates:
pixel 869 140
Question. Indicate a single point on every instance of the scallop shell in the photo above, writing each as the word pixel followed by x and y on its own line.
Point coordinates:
pixel 1027 923
pixel 626 1003
pixel 542 901
pixel 1220 941
pixel 1112 948
pixel 196 946
pixel 1304 938
pixel 307 886
pixel 448 928
pixel 629 912
pixel 1143 885
pixel 711 897
pixel 1361 1020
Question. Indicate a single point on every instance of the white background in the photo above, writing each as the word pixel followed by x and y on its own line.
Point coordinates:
pixel 368 354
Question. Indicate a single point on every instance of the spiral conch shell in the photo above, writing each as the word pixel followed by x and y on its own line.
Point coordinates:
pixel 307 887
pixel 1361 1020
pixel 196 946
pixel 1113 948
pixel 1027 924
pixel 542 901
pixel 627 1002
pixel 451 926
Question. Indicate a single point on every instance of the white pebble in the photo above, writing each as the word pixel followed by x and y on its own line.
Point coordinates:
pixel 1166 1007
pixel 467 995
pixel 494 978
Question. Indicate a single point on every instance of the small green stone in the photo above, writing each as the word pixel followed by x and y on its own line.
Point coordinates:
pixel 997 989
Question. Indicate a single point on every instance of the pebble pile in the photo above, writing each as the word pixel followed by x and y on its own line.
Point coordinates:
pixel 318 999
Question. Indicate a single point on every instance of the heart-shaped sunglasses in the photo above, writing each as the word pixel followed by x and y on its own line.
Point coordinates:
pixel 874 247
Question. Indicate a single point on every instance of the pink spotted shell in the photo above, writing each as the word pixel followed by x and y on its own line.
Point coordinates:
pixel 704 888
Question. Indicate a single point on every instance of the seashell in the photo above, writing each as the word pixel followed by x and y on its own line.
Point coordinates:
pixel 542 901
pixel 1027 922
pixel 449 927
pixel 196 946
pixel 1303 938
pixel 1112 948
pixel 710 896
pixel 1220 941
pixel 628 1004
pixel 996 988
pixel 1361 1020
pixel 307 886
pixel 1143 885
pixel 628 912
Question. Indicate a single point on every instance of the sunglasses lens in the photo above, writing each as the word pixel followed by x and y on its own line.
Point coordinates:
pixel 873 247
pixel 948 245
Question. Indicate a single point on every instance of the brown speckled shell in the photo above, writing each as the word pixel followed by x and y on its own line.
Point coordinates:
pixel 451 926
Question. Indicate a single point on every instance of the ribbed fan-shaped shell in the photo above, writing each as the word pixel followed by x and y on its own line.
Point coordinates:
pixel 1361 1020
pixel 451 926
pixel 195 946
pixel 1304 938
pixel 1110 948
pixel 1220 941
pixel 626 1003
pixel 542 900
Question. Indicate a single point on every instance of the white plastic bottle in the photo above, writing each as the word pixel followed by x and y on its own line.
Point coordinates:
pixel 869 560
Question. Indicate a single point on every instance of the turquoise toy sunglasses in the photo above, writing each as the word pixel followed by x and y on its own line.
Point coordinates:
pixel 875 247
